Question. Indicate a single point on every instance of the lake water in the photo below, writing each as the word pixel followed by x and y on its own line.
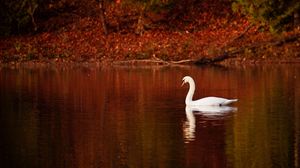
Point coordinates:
pixel 135 117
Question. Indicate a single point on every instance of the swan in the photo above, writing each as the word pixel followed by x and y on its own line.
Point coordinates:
pixel 207 101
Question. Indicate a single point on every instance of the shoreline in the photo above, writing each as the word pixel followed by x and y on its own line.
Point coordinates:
pixel 234 62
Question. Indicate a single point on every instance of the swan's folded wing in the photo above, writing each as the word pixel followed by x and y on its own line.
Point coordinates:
pixel 213 101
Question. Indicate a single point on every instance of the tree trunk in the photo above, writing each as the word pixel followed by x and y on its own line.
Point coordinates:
pixel 31 9
pixel 140 23
pixel 296 19
pixel 102 16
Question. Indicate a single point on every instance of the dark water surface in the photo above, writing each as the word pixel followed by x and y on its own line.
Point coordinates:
pixel 129 117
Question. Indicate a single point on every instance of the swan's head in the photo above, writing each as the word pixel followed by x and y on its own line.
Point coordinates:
pixel 186 79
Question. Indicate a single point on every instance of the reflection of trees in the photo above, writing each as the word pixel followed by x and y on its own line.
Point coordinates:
pixel 295 84
pixel 102 118
pixel 86 118
pixel 146 141
pixel 120 118
pixel 264 131
pixel 18 122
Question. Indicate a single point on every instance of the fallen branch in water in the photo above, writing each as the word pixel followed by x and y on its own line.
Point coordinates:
pixel 155 61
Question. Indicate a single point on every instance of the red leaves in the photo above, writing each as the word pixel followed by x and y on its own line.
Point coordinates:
pixel 201 33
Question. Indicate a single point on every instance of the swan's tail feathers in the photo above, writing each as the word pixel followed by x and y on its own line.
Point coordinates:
pixel 230 101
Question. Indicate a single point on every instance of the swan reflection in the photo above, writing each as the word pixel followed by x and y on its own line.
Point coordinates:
pixel 208 112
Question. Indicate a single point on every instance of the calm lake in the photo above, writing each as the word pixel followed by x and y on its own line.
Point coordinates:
pixel 135 117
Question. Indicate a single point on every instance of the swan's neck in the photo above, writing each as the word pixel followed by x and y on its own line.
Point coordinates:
pixel 189 96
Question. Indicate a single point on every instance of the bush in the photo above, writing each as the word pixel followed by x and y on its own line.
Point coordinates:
pixel 16 16
pixel 277 14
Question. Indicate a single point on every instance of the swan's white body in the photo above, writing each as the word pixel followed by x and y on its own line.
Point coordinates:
pixel 207 101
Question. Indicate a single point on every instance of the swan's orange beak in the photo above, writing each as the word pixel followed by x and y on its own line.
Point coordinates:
pixel 183 82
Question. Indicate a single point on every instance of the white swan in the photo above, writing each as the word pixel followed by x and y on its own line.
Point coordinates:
pixel 207 101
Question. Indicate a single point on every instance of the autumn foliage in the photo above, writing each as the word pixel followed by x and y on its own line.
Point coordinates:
pixel 193 30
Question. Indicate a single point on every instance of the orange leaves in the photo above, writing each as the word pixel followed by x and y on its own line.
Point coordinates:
pixel 200 32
